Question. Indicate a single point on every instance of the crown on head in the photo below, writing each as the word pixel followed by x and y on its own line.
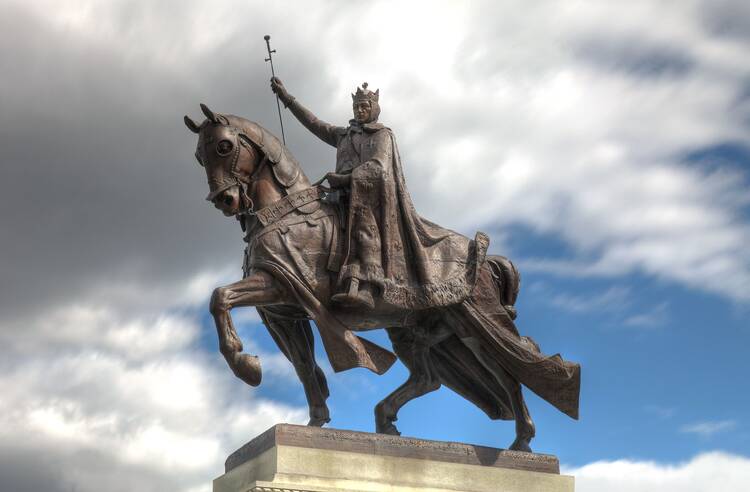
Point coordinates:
pixel 364 94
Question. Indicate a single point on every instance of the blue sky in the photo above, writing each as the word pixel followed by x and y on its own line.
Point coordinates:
pixel 603 146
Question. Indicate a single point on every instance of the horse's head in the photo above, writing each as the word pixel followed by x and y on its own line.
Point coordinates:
pixel 230 159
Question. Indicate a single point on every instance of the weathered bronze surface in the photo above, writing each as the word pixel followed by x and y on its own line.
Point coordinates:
pixel 357 256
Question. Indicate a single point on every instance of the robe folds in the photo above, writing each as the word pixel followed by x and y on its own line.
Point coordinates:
pixel 416 263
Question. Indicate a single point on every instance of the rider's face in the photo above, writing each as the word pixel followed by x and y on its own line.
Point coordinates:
pixel 362 111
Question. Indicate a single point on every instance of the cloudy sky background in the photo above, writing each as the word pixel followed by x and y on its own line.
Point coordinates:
pixel 605 147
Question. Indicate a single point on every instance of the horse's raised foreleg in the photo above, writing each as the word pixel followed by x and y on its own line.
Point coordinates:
pixel 257 289
pixel 413 349
pixel 294 338
pixel 525 430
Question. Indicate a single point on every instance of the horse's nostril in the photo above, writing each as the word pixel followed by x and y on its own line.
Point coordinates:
pixel 228 200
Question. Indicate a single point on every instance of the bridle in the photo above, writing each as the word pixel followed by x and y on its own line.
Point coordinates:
pixel 247 187
pixel 228 147
pixel 245 184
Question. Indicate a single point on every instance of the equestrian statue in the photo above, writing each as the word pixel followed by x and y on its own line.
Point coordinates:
pixel 356 256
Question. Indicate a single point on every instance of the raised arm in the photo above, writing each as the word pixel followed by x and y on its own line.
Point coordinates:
pixel 324 131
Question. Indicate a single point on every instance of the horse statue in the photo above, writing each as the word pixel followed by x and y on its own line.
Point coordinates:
pixel 294 243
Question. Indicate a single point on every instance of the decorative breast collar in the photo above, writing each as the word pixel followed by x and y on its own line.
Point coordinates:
pixel 272 213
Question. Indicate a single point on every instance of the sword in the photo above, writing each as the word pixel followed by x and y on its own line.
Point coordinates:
pixel 273 74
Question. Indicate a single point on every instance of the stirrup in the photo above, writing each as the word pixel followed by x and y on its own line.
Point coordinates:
pixel 354 297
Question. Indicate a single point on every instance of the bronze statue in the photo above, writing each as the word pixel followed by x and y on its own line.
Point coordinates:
pixel 358 257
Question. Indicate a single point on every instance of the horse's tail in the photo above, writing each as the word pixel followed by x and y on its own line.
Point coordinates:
pixel 508 281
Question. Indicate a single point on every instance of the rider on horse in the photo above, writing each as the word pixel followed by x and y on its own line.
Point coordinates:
pixel 389 250
pixel 468 342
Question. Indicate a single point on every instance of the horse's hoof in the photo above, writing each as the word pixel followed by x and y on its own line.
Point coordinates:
pixel 389 429
pixel 319 419
pixel 521 445
pixel 247 368
pixel 318 422
pixel 319 415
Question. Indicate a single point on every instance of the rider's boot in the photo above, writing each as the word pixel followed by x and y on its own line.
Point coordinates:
pixel 359 295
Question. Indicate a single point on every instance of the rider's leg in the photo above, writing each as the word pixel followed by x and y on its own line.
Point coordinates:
pixel 364 264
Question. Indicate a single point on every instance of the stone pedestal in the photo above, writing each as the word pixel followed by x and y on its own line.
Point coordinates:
pixel 290 458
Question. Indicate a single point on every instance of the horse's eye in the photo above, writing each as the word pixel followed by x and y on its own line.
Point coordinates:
pixel 224 147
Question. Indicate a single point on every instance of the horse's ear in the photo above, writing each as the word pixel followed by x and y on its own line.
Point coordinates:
pixel 192 125
pixel 209 114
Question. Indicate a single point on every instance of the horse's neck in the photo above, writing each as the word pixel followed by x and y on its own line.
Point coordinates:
pixel 278 180
pixel 266 190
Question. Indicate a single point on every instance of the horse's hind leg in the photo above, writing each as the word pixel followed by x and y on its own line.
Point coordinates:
pixel 412 348
pixel 294 338
pixel 525 430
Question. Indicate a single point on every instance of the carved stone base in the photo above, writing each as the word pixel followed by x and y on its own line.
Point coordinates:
pixel 292 458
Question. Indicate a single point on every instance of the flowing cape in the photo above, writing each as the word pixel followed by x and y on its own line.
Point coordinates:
pixel 486 322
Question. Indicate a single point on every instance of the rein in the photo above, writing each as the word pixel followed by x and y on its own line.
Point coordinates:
pixel 285 205
pixel 252 180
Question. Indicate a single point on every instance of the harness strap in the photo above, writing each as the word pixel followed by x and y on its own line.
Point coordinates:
pixel 270 214
pixel 253 177
pixel 238 180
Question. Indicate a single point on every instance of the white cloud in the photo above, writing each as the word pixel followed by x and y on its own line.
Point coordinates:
pixel 101 393
pixel 661 411
pixel 612 299
pixel 650 317
pixel 707 472
pixel 101 326
pixel 536 123
pixel 176 418
pixel 616 302
pixel 709 428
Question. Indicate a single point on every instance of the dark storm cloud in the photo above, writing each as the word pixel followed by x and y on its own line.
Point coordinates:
pixel 101 206
pixel 727 18
pixel 99 179
pixel 643 59
pixel 26 471
pixel 59 470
